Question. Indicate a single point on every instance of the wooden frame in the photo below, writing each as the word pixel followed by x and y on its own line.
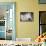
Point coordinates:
pixel 26 16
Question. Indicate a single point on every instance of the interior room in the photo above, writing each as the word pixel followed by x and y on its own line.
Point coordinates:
pixel 23 21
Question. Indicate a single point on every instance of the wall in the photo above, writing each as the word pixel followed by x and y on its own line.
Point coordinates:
pixel 27 29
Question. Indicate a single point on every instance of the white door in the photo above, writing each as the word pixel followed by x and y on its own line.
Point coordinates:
pixel 8 10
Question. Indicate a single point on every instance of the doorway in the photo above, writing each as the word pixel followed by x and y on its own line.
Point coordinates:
pixel 7 21
pixel 42 22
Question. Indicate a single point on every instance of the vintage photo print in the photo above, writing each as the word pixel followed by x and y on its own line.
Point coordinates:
pixel 26 16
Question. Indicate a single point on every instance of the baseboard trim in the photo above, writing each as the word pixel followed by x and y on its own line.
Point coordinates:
pixel 24 39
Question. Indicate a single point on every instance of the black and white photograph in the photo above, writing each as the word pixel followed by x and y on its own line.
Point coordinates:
pixel 26 16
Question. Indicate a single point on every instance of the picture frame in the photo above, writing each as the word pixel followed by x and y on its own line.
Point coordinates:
pixel 26 16
pixel 42 1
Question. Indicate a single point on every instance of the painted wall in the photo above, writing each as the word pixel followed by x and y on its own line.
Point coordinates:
pixel 27 29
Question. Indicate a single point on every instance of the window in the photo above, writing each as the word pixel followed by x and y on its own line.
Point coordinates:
pixel 42 22
pixel 42 1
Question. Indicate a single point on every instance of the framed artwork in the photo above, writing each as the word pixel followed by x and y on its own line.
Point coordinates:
pixel 7 20
pixel 26 16
pixel 42 1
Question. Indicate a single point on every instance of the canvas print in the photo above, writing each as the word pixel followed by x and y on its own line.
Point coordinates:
pixel 26 16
